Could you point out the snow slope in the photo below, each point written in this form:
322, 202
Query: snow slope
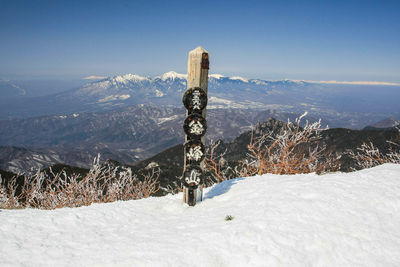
335, 219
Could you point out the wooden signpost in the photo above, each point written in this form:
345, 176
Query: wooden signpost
195, 125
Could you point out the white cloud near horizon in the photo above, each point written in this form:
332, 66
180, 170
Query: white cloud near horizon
94, 77
353, 82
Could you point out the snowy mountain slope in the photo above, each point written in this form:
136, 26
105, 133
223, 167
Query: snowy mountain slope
131, 88
348, 106
335, 219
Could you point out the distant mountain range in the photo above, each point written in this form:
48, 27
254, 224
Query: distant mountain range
351, 106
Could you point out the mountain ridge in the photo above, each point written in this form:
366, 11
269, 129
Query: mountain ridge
127, 134
355, 108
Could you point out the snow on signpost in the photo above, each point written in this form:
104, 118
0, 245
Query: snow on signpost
195, 125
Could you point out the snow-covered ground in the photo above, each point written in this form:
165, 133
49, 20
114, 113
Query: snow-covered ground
335, 219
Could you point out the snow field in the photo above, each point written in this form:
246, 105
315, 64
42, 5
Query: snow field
337, 219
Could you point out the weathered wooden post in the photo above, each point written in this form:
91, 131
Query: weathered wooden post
195, 125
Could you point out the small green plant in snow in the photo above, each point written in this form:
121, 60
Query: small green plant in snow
229, 218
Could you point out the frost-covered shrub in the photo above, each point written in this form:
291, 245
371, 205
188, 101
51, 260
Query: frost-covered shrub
368, 155
216, 165
56, 190
289, 149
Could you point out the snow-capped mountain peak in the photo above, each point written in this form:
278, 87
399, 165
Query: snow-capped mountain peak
239, 78
172, 75
216, 76
129, 78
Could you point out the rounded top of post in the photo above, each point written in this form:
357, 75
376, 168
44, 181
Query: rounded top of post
198, 50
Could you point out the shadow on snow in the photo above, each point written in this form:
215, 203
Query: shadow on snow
221, 188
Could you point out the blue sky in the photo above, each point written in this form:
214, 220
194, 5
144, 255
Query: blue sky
310, 40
